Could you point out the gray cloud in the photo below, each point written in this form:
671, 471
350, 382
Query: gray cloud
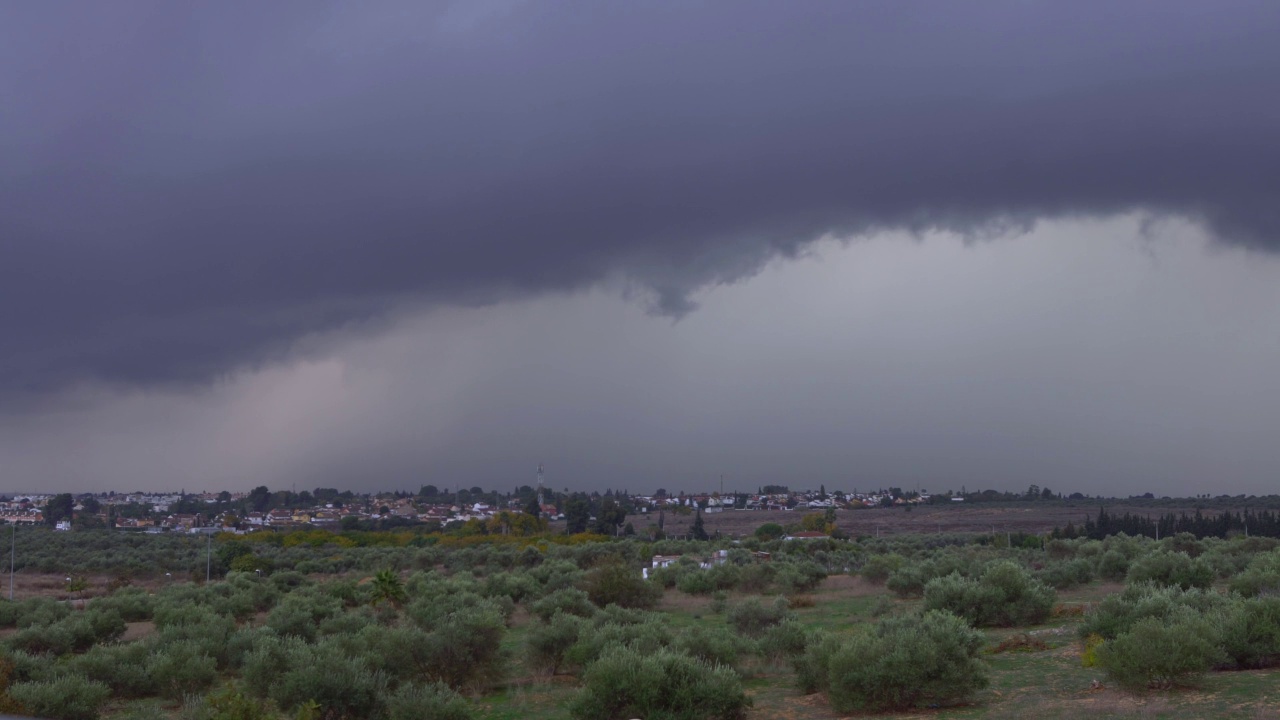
186, 191
1080, 356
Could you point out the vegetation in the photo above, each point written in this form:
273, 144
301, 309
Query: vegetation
906, 662
458, 626
626, 683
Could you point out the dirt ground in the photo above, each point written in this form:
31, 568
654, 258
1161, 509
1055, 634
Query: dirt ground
54, 585
923, 519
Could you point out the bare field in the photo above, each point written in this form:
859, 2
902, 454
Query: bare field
922, 519
29, 584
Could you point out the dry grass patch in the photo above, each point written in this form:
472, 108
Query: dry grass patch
849, 586
1022, 642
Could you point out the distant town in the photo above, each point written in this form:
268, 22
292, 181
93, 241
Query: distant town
328, 508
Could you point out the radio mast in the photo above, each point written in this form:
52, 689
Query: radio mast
541, 499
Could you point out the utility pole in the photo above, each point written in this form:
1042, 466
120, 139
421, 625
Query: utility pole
208, 563
13, 553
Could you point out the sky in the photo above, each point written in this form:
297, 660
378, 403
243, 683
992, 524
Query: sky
379, 245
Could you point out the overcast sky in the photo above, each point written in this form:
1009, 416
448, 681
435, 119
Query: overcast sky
379, 245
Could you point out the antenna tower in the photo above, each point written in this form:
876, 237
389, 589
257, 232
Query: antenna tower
541, 499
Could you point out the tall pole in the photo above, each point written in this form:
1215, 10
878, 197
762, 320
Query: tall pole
208, 563
13, 552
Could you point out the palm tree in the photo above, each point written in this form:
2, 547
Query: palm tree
388, 586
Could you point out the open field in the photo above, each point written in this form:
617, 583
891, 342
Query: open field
1031, 517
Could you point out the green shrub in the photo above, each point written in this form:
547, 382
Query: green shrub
133, 604
1066, 575
125, 668
799, 577
465, 650
1186, 543
753, 619
32, 611
1250, 632
547, 643
401, 653
908, 662
908, 580
1175, 569
570, 601
427, 702
1260, 577
782, 642
813, 664
1117, 613
595, 639
1160, 653
29, 668
625, 683
288, 580
348, 623
714, 646
210, 635
300, 613
695, 581
74, 633
183, 668
1004, 596
514, 585
69, 697
339, 685
878, 568
617, 583
1113, 565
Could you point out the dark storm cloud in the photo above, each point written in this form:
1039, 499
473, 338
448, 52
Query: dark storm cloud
185, 190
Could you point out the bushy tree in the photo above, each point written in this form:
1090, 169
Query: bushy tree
566, 600
909, 580
548, 642
465, 650
68, 697
340, 686
618, 583
1250, 632
878, 568
1005, 595
123, 667
770, 531
427, 702
908, 662
1171, 568
1160, 653
1113, 565
625, 683
1119, 612
182, 669
753, 618
714, 645
1261, 576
